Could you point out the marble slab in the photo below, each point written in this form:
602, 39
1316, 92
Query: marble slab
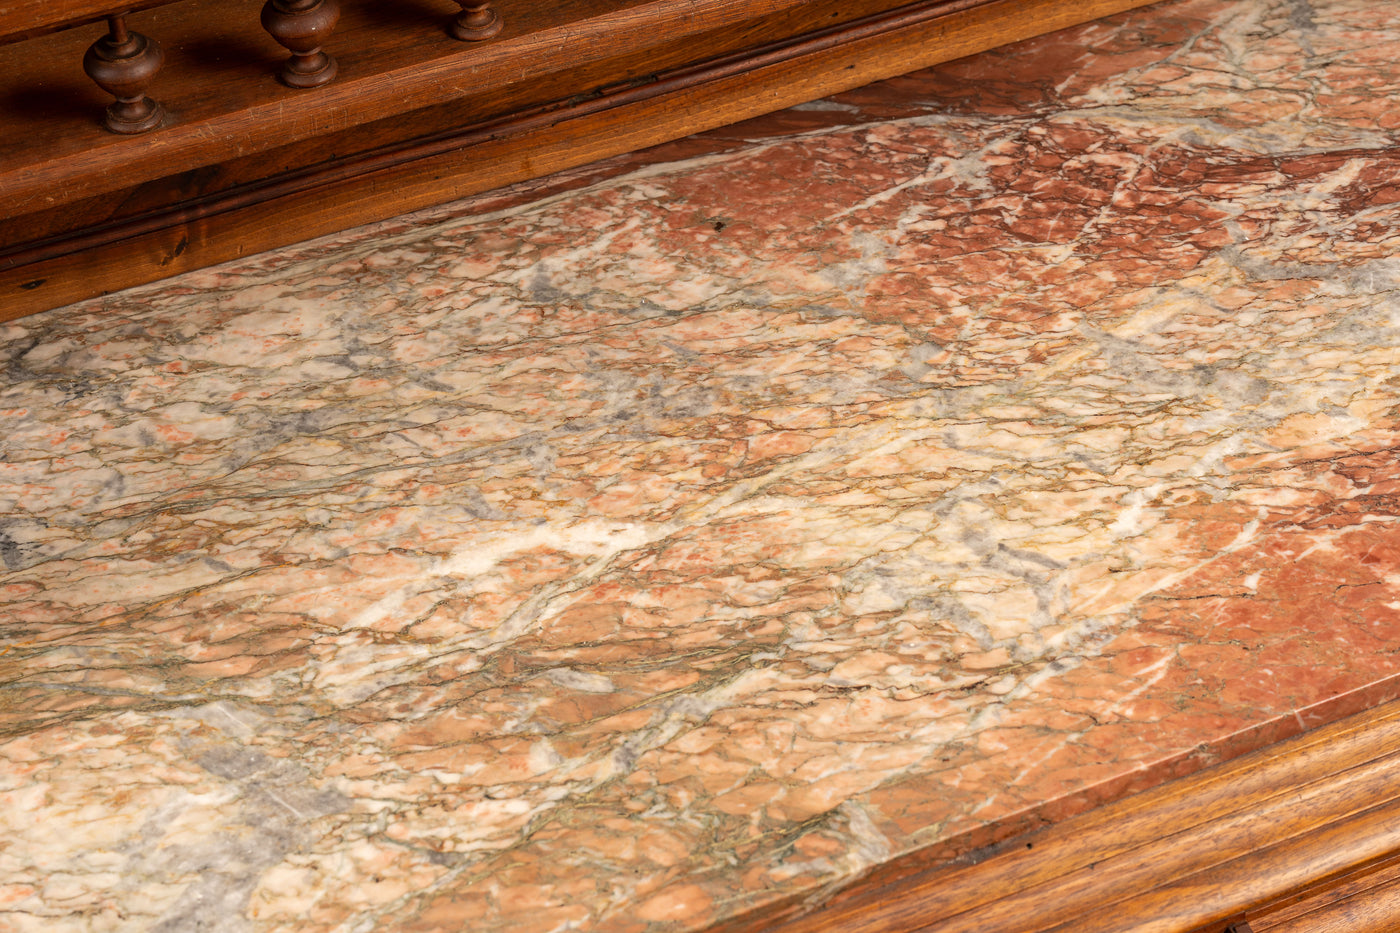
630, 550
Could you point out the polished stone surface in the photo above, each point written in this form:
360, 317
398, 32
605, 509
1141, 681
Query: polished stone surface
632, 549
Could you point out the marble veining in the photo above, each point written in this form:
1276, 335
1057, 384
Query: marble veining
630, 550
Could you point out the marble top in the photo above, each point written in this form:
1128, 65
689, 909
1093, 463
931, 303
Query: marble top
697, 530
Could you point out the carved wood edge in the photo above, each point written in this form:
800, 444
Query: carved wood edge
1234, 844
1362, 901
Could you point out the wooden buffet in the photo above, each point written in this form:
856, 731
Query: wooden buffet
261, 125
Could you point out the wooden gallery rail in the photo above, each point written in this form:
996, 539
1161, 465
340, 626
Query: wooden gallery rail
209, 142
124, 63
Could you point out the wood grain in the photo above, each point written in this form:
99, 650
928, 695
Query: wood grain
24, 19
1353, 887
1377, 911
1187, 857
455, 164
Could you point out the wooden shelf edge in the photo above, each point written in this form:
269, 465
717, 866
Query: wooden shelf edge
20, 21
191, 237
1243, 860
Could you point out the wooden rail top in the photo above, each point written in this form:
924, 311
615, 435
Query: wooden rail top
24, 19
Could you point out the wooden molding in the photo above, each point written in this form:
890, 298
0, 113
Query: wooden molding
1362, 901
1301, 832
79, 260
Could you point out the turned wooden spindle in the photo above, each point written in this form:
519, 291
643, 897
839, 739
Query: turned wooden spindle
478, 21
123, 63
302, 27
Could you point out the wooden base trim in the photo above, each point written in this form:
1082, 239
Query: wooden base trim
525, 146
1236, 842
1363, 901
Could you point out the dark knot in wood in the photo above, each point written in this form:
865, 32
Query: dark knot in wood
123, 64
302, 27
478, 20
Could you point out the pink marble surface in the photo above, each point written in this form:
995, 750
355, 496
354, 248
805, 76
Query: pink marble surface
632, 550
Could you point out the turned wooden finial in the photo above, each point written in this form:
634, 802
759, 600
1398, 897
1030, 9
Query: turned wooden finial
478, 21
123, 63
302, 27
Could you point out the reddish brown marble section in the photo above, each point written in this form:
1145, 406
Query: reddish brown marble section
710, 526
